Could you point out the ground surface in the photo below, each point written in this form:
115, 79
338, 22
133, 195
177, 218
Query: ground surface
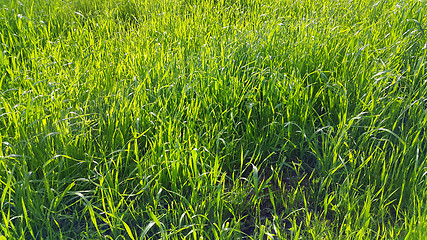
213, 119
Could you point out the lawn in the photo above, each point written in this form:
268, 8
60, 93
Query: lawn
213, 119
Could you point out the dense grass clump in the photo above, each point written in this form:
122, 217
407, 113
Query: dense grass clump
213, 119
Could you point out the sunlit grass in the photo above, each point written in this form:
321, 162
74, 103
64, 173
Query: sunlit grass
219, 119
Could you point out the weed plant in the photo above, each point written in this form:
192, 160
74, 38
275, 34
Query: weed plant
213, 119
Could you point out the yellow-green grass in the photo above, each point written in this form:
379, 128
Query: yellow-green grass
213, 119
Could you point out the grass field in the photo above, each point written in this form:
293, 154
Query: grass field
213, 119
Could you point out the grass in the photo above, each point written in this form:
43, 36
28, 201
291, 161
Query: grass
213, 119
